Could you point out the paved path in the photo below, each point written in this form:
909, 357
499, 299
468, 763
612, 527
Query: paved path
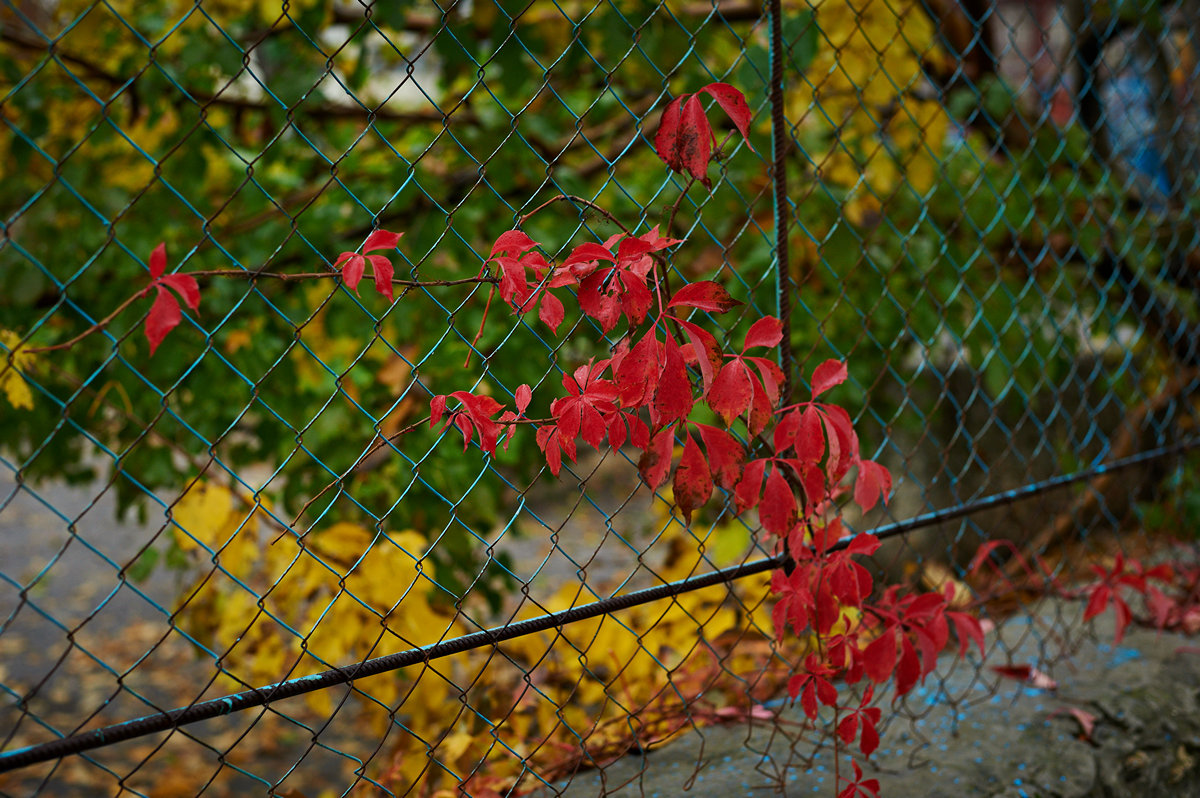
1003, 738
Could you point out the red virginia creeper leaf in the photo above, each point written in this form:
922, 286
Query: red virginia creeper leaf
732, 391
381, 239
524, 395
706, 295
158, 261
746, 493
164, 317
778, 508
656, 460
969, 631
437, 408
1098, 601
551, 311
767, 331
514, 242
873, 480
827, 375
725, 455
879, 658
733, 102
673, 398
637, 372
908, 670
693, 483
383, 272
352, 270
684, 138
186, 286
704, 347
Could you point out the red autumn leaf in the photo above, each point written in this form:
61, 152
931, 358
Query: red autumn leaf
523, 396
637, 371
165, 314
381, 239
475, 414
354, 264
732, 390
553, 445
870, 732
873, 481
860, 786
656, 460
589, 399
777, 511
684, 139
841, 440
164, 317
673, 396
584, 258
767, 331
809, 442
1026, 673
158, 261
186, 286
969, 630
908, 669
746, 493
1123, 617
382, 268
725, 455
848, 728
1098, 601
551, 311
514, 242
693, 482
864, 543
706, 295
437, 408
705, 350
827, 375
733, 103
879, 658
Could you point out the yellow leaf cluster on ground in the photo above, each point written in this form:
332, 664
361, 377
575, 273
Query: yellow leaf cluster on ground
863, 88
297, 607
542, 703
12, 362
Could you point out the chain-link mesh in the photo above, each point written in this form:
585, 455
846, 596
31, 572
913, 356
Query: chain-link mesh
990, 217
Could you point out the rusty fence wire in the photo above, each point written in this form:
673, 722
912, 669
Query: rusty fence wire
241, 563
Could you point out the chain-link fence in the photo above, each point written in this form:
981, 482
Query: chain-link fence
236, 556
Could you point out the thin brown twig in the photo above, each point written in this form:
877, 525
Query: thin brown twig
100, 325
479, 333
580, 201
241, 273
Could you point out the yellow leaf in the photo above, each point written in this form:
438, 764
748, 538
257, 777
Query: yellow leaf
12, 363
202, 514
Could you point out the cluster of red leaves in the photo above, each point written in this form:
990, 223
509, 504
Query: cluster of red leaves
685, 138
354, 264
165, 314
664, 365
1176, 608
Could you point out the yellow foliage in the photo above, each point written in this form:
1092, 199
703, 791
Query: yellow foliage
12, 363
862, 90
347, 592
